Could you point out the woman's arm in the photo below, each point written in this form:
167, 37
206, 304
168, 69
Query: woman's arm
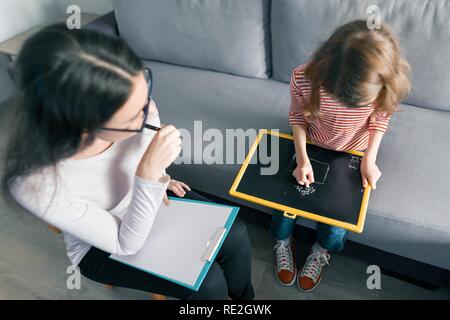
94, 225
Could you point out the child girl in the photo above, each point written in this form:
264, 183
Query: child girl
341, 100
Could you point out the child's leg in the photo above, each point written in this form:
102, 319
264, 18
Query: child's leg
281, 229
328, 238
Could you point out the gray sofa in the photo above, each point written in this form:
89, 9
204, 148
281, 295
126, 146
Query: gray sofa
228, 64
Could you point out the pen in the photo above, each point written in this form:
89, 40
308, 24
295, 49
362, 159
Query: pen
149, 126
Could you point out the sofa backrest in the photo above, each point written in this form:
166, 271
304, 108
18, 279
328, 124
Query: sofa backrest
231, 36
423, 27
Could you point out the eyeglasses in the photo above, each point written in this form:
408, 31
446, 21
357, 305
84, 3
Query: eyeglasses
149, 78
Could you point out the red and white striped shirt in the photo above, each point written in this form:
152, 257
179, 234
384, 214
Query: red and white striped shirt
342, 128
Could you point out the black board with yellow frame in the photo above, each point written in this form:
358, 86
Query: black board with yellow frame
336, 198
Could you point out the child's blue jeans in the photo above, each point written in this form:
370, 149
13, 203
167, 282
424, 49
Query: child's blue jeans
329, 237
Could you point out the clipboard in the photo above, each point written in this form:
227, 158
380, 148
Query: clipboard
278, 193
184, 240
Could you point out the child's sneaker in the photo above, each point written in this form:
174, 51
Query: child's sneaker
285, 269
311, 273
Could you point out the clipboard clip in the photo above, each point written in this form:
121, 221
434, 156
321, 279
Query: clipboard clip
213, 244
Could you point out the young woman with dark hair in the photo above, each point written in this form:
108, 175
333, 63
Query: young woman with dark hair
79, 159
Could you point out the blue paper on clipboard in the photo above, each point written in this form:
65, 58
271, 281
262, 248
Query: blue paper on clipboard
184, 241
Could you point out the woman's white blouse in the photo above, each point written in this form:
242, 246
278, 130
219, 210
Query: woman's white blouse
97, 201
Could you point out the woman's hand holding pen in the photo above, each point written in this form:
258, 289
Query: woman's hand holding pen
162, 151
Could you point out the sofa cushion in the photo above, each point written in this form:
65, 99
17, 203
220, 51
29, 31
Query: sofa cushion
409, 213
231, 36
423, 27
413, 157
413, 192
105, 24
220, 101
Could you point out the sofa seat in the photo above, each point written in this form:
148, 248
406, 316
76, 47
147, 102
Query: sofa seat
408, 214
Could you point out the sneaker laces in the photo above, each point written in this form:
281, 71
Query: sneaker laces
314, 264
284, 256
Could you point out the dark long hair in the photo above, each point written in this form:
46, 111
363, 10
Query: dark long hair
68, 82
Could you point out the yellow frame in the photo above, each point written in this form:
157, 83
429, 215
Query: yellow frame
290, 212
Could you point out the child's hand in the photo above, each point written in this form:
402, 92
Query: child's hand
369, 173
304, 174
177, 188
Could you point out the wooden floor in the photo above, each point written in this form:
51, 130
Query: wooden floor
33, 265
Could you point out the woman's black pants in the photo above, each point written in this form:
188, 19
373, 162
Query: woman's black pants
229, 275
